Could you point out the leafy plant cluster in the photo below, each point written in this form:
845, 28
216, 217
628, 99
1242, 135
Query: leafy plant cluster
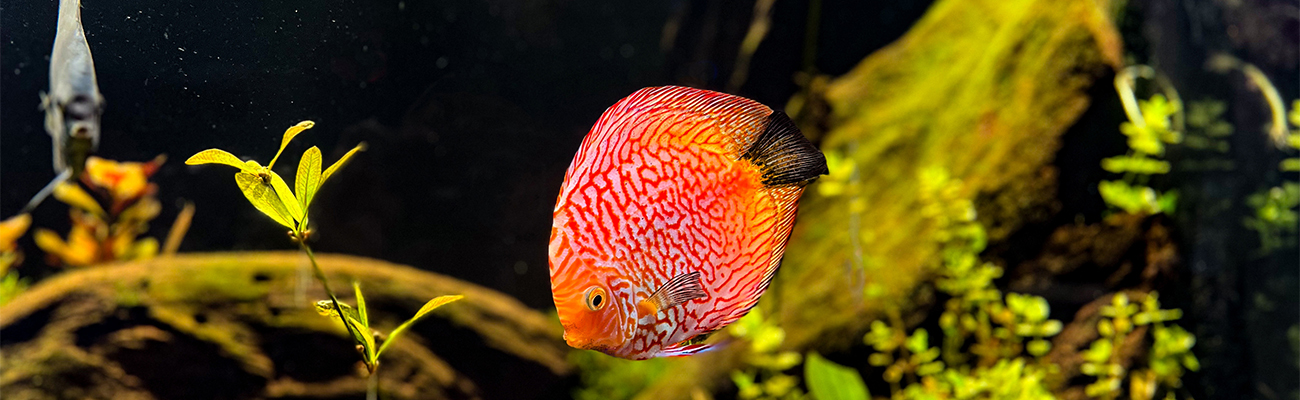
611, 378
101, 234
767, 376
1169, 356
994, 345
1150, 127
10, 255
270, 194
1276, 216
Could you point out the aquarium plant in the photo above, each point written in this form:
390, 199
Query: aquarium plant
1275, 209
765, 376
1151, 124
10, 255
270, 194
100, 234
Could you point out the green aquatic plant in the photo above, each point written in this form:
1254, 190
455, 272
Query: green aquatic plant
766, 375
1168, 358
613, 378
1276, 215
10, 255
992, 344
1152, 124
828, 380
364, 334
269, 193
1208, 132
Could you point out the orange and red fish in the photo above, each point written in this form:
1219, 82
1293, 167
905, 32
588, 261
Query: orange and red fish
672, 219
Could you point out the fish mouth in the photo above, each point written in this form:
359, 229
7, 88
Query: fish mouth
586, 344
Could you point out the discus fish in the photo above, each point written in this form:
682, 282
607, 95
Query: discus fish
672, 219
73, 106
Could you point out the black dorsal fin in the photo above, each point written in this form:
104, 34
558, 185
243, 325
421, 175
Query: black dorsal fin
784, 155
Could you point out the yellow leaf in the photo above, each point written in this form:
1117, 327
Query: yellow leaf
286, 196
361, 304
13, 228
288, 135
263, 196
339, 164
49, 241
218, 156
308, 179
428, 307
73, 195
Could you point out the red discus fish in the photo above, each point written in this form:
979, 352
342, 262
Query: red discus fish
672, 219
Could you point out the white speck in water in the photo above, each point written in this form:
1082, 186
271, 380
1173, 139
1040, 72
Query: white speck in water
401, 5
165, 36
18, 71
180, 48
363, 84
441, 63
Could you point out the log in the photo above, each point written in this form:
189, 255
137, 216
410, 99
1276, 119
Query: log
228, 325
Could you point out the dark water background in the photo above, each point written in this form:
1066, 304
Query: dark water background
473, 109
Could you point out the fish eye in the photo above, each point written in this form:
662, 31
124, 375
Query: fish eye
595, 298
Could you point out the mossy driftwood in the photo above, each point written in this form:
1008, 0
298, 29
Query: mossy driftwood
228, 325
979, 90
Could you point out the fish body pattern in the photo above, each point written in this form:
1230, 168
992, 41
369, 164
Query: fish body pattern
672, 219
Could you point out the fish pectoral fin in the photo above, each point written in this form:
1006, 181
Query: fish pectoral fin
682, 288
682, 349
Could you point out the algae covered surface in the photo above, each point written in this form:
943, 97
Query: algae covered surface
977, 91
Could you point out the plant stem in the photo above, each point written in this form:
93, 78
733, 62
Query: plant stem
333, 299
372, 386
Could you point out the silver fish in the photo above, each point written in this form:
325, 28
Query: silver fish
73, 106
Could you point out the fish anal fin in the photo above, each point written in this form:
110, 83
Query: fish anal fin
682, 288
683, 349
784, 156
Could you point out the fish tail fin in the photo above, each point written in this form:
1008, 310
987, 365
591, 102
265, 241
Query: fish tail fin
783, 155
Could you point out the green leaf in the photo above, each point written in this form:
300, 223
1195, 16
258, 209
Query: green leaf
73, 195
218, 156
1137, 165
263, 196
339, 164
830, 381
361, 305
286, 196
1290, 165
428, 307
308, 179
360, 333
919, 341
288, 135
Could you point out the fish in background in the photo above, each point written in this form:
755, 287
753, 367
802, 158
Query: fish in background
73, 106
672, 219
